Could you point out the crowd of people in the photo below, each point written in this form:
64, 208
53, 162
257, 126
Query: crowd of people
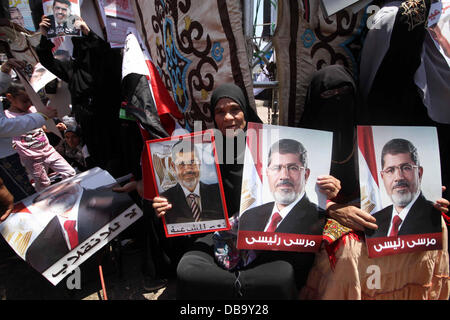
401, 82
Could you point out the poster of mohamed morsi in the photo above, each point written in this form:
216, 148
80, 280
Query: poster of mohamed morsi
59, 228
400, 180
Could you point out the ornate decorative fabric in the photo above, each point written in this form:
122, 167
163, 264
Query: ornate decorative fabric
195, 47
335, 235
409, 276
415, 12
305, 41
333, 230
227, 255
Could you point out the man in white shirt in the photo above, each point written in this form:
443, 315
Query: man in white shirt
291, 212
410, 212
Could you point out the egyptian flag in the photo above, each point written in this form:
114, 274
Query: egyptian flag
147, 100
252, 187
370, 190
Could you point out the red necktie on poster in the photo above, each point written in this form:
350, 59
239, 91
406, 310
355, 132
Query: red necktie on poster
395, 224
69, 225
276, 218
194, 207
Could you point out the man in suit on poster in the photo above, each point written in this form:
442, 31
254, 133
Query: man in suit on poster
410, 212
291, 212
78, 214
62, 21
191, 199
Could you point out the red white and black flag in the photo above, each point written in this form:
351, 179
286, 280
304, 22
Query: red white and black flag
370, 189
146, 99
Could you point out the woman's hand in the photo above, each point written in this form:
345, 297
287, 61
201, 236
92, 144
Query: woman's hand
6, 202
161, 205
442, 204
351, 216
80, 24
131, 186
61, 126
44, 25
329, 185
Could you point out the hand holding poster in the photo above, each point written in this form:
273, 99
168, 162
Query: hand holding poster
186, 173
63, 16
287, 210
408, 168
439, 27
62, 226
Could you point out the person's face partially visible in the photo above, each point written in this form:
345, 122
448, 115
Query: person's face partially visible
61, 11
229, 116
401, 178
187, 167
20, 101
60, 199
17, 17
287, 177
72, 139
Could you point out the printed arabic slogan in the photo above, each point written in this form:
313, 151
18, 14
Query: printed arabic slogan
186, 173
404, 166
281, 208
59, 228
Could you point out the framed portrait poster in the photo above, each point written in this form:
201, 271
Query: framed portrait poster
186, 172
400, 179
281, 206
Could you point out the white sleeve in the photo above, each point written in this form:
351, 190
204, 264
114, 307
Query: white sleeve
85, 152
17, 126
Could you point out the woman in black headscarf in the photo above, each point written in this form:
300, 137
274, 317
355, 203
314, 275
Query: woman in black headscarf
214, 268
231, 111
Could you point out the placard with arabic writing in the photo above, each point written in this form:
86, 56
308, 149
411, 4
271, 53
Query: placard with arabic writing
281, 168
59, 228
400, 180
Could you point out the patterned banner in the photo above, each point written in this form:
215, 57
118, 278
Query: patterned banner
195, 48
305, 41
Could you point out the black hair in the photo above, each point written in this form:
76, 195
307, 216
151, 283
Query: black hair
396, 146
62, 1
285, 146
184, 145
14, 88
